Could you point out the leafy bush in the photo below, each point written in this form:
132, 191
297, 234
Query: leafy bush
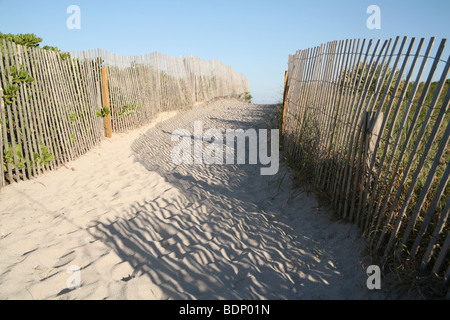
27, 39
248, 97
103, 112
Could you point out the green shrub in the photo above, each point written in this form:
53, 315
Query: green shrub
248, 97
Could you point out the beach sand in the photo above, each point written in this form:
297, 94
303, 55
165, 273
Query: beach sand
137, 226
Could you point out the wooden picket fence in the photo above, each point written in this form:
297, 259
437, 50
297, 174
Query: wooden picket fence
369, 119
55, 107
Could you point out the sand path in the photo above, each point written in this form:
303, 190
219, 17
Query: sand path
140, 227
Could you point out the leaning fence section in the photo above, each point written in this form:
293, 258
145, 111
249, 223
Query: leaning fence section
55, 106
142, 86
369, 119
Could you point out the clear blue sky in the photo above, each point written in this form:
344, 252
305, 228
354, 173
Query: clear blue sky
254, 37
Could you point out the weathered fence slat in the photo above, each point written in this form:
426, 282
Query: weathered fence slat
2, 137
440, 260
39, 88
29, 115
27, 152
4, 117
14, 134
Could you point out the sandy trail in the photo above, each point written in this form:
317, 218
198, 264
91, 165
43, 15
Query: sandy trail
140, 227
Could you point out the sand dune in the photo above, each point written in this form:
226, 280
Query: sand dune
140, 227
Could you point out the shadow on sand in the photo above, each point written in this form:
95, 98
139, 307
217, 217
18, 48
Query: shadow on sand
217, 234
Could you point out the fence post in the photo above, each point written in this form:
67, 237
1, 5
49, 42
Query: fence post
105, 95
2, 110
374, 132
286, 89
370, 133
